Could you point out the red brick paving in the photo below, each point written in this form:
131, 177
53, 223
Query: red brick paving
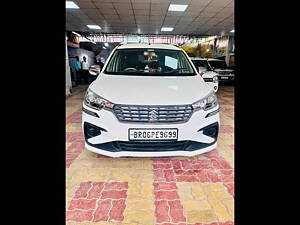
83, 204
102, 211
162, 211
226, 223
226, 129
176, 211
75, 117
95, 191
168, 171
83, 189
117, 207
79, 215
77, 146
166, 194
227, 112
73, 151
98, 201
74, 137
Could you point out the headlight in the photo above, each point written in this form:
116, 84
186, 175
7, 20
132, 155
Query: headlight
95, 101
215, 79
207, 103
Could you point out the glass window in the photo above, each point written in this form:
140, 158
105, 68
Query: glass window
144, 61
218, 64
201, 63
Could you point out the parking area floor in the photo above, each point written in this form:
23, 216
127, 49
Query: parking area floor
176, 190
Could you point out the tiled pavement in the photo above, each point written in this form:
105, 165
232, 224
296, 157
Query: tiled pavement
177, 190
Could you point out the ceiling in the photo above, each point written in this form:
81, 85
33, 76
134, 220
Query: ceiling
202, 17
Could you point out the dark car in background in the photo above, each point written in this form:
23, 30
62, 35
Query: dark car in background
225, 74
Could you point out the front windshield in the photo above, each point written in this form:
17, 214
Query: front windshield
218, 64
147, 61
201, 63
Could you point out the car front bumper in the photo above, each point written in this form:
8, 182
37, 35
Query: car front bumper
111, 136
225, 78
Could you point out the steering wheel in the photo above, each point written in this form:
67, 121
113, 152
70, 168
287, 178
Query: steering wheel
130, 69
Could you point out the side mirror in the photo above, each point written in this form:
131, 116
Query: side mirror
95, 70
202, 69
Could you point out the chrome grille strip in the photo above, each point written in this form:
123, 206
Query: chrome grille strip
153, 114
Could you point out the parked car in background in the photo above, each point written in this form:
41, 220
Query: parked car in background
149, 101
225, 74
204, 69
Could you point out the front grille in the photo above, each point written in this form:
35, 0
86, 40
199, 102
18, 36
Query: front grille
224, 72
150, 146
153, 114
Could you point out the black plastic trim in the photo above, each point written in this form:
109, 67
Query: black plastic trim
213, 125
208, 79
90, 112
116, 146
212, 113
86, 126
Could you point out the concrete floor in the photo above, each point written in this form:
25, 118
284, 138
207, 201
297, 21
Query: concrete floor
178, 190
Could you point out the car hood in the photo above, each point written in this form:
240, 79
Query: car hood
151, 90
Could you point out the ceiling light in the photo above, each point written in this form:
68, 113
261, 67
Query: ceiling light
167, 28
175, 7
232, 31
94, 27
71, 5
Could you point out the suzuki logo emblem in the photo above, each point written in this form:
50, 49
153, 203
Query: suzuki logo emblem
153, 114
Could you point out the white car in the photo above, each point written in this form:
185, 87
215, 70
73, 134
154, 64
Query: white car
150, 101
208, 75
224, 74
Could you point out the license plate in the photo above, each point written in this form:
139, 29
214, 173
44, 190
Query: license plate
224, 78
168, 134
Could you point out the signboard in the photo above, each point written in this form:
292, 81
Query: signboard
136, 39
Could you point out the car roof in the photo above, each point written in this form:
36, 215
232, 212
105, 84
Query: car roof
151, 46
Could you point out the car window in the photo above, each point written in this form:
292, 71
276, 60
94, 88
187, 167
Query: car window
201, 63
147, 61
218, 64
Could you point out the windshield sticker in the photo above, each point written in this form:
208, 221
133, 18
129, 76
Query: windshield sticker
171, 62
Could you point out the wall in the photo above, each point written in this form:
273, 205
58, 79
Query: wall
72, 52
68, 74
